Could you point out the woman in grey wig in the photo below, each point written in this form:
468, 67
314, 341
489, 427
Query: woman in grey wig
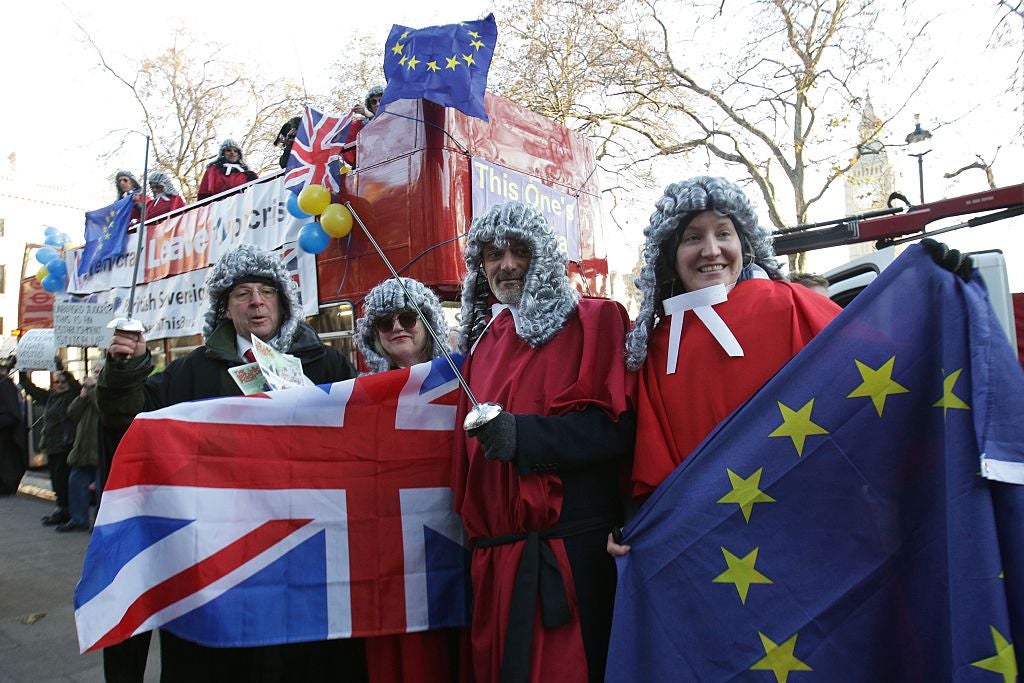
705, 251
390, 335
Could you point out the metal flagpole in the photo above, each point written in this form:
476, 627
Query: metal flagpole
127, 323
481, 413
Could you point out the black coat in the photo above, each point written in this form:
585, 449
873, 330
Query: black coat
125, 390
13, 455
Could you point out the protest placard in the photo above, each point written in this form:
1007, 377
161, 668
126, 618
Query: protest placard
36, 349
82, 324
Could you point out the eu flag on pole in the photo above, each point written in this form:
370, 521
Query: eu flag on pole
844, 524
444, 64
105, 232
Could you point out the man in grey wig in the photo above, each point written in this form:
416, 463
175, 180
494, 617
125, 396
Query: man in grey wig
249, 291
538, 486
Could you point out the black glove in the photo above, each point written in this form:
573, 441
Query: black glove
498, 437
950, 259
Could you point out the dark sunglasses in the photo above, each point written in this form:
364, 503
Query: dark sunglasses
407, 320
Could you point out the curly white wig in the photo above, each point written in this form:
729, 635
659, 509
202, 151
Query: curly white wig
680, 203
387, 298
163, 180
548, 297
249, 260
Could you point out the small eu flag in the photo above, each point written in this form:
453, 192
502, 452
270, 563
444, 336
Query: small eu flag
105, 232
444, 64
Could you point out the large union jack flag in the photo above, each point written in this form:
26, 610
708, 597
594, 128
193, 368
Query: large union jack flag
291, 516
316, 152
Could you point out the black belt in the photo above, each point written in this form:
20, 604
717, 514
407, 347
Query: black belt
537, 574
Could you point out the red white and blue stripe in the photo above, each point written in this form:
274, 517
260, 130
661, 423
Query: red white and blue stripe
297, 515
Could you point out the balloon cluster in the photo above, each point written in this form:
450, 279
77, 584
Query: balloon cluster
335, 219
54, 274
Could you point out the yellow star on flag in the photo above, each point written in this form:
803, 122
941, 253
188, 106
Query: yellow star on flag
949, 400
403, 60
432, 66
779, 659
405, 34
797, 425
476, 44
468, 59
745, 492
877, 384
1004, 661
741, 573
473, 33
413, 62
398, 47
453, 62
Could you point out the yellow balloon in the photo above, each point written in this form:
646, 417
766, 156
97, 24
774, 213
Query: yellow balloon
314, 199
41, 273
336, 220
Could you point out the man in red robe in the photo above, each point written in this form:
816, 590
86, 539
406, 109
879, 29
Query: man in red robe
539, 485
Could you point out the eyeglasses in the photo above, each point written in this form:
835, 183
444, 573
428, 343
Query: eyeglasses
406, 319
245, 294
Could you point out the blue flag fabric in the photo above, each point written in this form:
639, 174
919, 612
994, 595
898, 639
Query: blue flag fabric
837, 527
444, 64
105, 232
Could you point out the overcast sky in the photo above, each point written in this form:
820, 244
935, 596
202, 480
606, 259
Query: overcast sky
58, 105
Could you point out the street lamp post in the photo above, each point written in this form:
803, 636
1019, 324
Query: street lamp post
917, 139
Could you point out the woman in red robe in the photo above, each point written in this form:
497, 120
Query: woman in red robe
165, 196
716, 321
227, 171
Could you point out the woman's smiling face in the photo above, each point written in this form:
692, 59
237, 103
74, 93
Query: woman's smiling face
709, 252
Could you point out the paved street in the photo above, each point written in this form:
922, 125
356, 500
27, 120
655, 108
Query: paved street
38, 572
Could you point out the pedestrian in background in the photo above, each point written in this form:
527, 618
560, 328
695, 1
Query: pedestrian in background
13, 456
83, 460
58, 434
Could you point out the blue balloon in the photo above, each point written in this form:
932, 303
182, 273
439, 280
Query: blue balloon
51, 231
313, 239
54, 240
293, 206
54, 284
57, 267
46, 254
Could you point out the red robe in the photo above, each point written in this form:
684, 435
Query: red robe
771, 320
353, 131
215, 180
163, 204
580, 367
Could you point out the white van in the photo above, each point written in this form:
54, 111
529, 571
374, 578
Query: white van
846, 281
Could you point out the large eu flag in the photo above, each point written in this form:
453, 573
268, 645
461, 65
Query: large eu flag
838, 526
444, 64
105, 232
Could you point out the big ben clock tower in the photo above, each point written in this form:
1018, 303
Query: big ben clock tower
872, 178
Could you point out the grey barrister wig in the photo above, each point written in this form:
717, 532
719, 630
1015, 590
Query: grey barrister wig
384, 300
548, 297
245, 261
163, 180
673, 212
124, 173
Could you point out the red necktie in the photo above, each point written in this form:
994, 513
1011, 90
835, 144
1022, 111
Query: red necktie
249, 356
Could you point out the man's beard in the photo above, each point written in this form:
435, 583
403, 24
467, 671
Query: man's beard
510, 295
